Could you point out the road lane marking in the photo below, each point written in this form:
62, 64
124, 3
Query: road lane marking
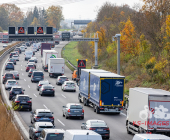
21, 69
123, 114
61, 122
22, 74
63, 96
28, 86
45, 106
24, 79
35, 95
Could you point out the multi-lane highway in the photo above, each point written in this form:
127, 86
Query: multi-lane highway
1, 44
116, 123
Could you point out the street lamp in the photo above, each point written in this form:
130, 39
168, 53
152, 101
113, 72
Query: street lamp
117, 36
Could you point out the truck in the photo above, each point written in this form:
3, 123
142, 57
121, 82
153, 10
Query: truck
46, 55
52, 43
45, 46
102, 90
148, 111
56, 67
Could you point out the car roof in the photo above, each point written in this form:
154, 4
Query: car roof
152, 136
16, 87
43, 110
47, 85
69, 82
11, 80
62, 76
43, 123
10, 62
73, 104
96, 120
54, 130
44, 81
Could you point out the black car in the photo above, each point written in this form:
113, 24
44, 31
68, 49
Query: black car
20, 102
11, 54
15, 91
27, 44
12, 60
44, 82
7, 76
30, 72
47, 90
42, 115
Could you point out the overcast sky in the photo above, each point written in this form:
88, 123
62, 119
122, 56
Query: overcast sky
72, 9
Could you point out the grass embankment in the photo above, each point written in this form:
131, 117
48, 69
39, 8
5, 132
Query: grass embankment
64, 29
71, 53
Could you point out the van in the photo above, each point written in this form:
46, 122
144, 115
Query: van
74, 75
28, 55
150, 137
81, 135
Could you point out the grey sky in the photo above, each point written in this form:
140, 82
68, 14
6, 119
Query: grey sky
72, 9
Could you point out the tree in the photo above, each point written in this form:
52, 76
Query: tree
54, 16
3, 18
35, 12
35, 22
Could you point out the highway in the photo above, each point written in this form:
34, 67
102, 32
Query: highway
116, 123
1, 45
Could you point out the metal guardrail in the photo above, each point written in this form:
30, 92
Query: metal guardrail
71, 65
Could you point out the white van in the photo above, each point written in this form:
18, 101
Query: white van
81, 135
34, 47
28, 55
150, 137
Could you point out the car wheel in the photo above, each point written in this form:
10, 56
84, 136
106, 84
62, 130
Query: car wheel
30, 137
37, 89
97, 110
30, 109
74, 90
3, 82
107, 138
63, 115
18, 78
82, 118
53, 95
31, 81
13, 69
31, 121
94, 108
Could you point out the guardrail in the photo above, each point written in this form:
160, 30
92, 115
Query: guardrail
71, 65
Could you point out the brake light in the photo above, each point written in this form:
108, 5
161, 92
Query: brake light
22, 92
43, 89
32, 76
13, 77
68, 110
30, 72
10, 54
43, 76
82, 110
36, 131
100, 102
10, 92
66, 79
92, 129
40, 85
4, 77
51, 118
28, 101
38, 117
52, 89
107, 129
17, 101
62, 74
59, 79
17, 74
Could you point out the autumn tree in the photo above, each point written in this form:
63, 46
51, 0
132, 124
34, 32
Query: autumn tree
35, 22
3, 18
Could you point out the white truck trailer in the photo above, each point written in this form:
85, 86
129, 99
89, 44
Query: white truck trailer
56, 67
148, 111
46, 55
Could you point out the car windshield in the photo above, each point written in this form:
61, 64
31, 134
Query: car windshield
47, 87
30, 66
38, 74
75, 107
44, 82
16, 89
54, 136
23, 98
44, 114
11, 82
13, 53
9, 75
98, 124
42, 127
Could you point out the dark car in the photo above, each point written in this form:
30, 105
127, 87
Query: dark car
27, 44
18, 49
11, 54
16, 74
9, 65
61, 80
37, 76
12, 60
30, 72
98, 126
15, 91
29, 66
22, 102
47, 90
7, 76
42, 115
46, 82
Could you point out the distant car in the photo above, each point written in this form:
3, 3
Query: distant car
99, 126
61, 80
29, 66
16, 74
35, 59
47, 90
12, 60
51, 134
30, 60
32, 63
42, 115
11, 54
39, 85
37, 76
5, 42
27, 44
22, 48
73, 110
16, 57
37, 127
7, 76
18, 49
30, 72
68, 86
22, 102
9, 65
10, 83
17, 53
5, 45
15, 91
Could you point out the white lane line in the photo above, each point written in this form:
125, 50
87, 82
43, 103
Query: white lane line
22, 74
45, 106
63, 96
21, 69
28, 86
123, 114
35, 95
61, 122
24, 79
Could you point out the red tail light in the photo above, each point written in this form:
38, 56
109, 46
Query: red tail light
22, 92
82, 110
66, 79
17, 101
40, 85
92, 129
10, 54
9, 60
43, 76
107, 129
17, 74
3, 77
59, 79
37, 131
37, 117
68, 110
52, 89
43, 89
10, 92
32, 76
51, 118
13, 77
28, 101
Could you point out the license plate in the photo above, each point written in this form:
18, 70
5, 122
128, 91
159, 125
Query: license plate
23, 102
44, 118
76, 111
47, 90
17, 92
99, 129
111, 110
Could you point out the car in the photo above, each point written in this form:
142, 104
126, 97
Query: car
5, 45
15, 90
29, 66
33, 63
10, 83
47, 90
30, 72
16, 74
11, 54
12, 60
31, 60
35, 59
17, 53
51, 134
20, 102
150, 137
37, 76
7, 76
9, 65
5, 42
16, 57
27, 44
73, 110
74, 75
18, 49
61, 80
68, 86
42, 115
22, 48
99, 126
44, 82
37, 127
28, 55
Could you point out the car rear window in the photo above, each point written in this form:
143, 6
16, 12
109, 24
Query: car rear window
31, 60
38, 74
12, 59
17, 89
11, 82
43, 127
30, 65
9, 75
63, 78
13, 53
54, 136
44, 114
75, 107
9, 64
23, 98
44, 82
98, 124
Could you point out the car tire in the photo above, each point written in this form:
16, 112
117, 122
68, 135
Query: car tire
94, 108
30, 109
31, 121
84, 102
97, 111
53, 95
74, 90
37, 89
3, 82
82, 118
30, 137
108, 137
63, 115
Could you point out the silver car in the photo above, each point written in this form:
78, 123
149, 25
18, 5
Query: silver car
61, 80
16, 74
16, 57
10, 83
68, 86
73, 110
35, 59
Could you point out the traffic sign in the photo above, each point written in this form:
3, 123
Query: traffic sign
81, 63
65, 36
30, 30
49, 30
40, 30
11, 30
21, 30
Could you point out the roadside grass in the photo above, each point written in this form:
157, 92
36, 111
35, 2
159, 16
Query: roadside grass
64, 29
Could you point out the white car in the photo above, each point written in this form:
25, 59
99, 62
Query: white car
68, 86
17, 53
22, 48
5, 45
25, 46
16, 57
34, 59
10, 83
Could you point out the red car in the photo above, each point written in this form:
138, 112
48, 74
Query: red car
5, 42
29, 66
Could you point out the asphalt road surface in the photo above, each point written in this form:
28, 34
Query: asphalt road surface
115, 122
1, 45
